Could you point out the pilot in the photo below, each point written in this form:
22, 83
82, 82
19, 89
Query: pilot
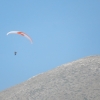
15, 53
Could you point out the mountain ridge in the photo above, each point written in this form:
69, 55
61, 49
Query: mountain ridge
77, 80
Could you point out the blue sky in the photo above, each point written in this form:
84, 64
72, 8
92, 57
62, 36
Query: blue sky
62, 31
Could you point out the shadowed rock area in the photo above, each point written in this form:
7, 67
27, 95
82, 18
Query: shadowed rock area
78, 80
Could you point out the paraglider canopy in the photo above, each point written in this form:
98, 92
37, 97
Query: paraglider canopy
22, 34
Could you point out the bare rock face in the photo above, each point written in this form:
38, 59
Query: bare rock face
78, 80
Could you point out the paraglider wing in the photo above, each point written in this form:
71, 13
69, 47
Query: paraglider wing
20, 33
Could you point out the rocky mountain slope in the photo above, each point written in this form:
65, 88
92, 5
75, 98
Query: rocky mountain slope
78, 80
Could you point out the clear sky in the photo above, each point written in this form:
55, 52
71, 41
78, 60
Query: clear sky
62, 31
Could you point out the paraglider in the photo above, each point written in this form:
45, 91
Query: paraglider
20, 33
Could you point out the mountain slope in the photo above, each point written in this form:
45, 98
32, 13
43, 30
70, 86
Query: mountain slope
78, 80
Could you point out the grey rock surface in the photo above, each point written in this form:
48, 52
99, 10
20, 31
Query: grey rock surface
78, 80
